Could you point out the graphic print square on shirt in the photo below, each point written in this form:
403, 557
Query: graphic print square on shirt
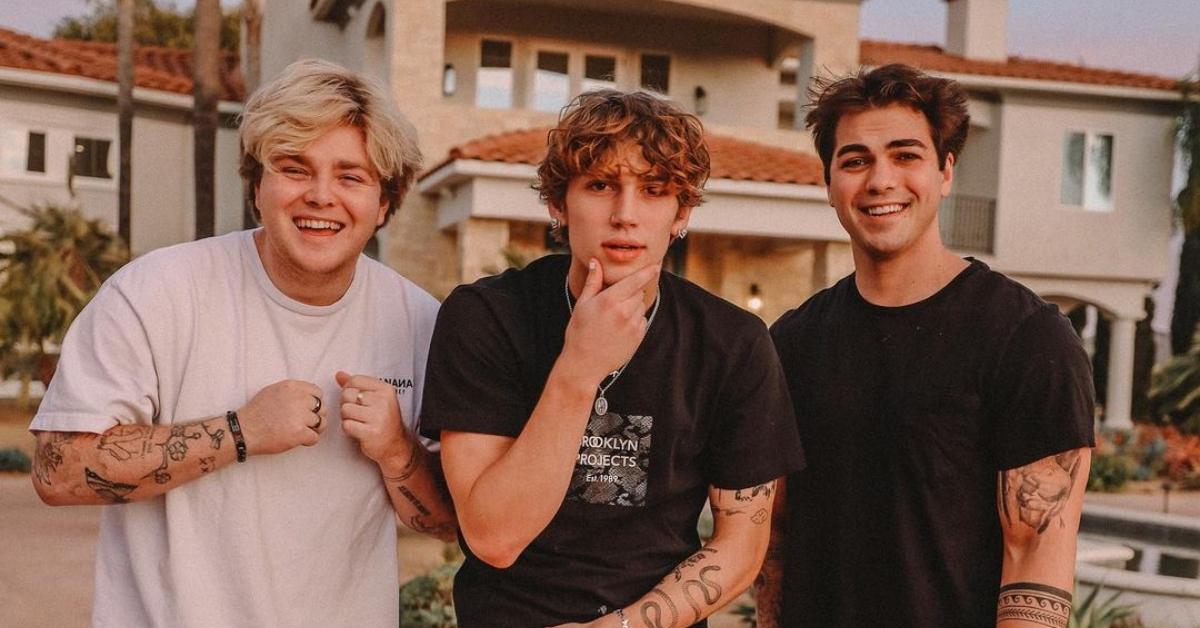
614, 461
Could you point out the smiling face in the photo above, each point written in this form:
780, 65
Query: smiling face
622, 214
319, 209
886, 185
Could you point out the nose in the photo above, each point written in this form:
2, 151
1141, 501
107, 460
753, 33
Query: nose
319, 192
881, 178
624, 213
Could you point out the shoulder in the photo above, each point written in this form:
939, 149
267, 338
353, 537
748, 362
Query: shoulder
180, 267
1005, 307
511, 288
715, 314
385, 280
819, 308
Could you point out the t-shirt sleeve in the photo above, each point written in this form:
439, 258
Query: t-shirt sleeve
1042, 401
472, 382
105, 373
756, 438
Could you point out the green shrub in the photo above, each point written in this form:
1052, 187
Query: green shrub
428, 599
1110, 472
13, 459
1092, 613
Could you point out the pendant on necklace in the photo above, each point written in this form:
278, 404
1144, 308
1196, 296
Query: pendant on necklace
601, 406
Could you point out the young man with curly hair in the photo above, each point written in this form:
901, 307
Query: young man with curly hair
589, 404
946, 410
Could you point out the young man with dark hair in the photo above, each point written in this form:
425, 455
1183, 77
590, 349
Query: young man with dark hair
946, 410
589, 404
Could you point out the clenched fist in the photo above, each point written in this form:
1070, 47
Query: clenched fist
371, 416
281, 416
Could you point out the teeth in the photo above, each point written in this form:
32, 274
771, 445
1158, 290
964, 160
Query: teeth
308, 223
883, 210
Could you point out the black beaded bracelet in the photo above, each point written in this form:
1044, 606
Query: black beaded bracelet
235, 428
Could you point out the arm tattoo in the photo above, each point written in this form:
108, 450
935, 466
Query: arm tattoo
747, 494
1041, 489
692, 560
1036, 603
215, 437
414, 460
123, 442
48, 457
418, 523
174, 448
710, 590
113, 492
412, 499
652, 611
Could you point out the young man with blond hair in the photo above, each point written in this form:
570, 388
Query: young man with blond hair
588, 405
206, 394
946, 409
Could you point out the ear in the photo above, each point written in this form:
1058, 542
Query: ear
948, 175
383, 209
681, 219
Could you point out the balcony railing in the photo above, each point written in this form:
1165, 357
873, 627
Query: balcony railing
968, 223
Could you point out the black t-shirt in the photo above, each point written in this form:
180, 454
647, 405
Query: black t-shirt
702, 402
907, 415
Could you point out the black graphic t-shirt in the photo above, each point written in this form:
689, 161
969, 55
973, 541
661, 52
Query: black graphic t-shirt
907, 415
702, 402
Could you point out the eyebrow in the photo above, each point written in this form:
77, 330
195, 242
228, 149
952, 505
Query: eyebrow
861, 148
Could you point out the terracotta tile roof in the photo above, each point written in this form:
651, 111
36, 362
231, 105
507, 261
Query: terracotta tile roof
166, 69
933, 58
731, 158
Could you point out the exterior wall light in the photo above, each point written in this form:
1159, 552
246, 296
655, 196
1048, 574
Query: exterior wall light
701, 101
755, 302
449, 80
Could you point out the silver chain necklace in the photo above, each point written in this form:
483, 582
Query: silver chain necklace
601, 405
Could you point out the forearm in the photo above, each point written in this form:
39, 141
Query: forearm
768, 586
128, 462
418, 492
517, 495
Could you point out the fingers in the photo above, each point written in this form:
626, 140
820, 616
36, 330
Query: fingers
593, 282
636, 284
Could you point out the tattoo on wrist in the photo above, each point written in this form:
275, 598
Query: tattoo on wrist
1040, 490
414, 460
1032, 602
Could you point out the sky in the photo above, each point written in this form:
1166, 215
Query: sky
1159, 37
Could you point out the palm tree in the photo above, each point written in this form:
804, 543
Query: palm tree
206, 76
252, 17
125, 116
48, 272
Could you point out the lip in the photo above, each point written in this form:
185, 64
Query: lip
309, 225
622, 250
884, 210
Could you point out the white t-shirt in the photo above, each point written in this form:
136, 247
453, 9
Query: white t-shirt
302, 538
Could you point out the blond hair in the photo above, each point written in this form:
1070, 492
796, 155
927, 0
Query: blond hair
312, 97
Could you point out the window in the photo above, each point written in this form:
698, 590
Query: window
551, 83
22, 151
91, 158
1087, 170
599, 72
494, 84
656, 73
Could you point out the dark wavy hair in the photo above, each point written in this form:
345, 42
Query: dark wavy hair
591, 127
942, 101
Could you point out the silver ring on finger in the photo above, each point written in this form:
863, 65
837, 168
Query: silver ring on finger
358, 399
316, 426
317, 409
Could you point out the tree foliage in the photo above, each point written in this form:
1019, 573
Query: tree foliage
156, 23
1186, 315
1176, 389
48, 272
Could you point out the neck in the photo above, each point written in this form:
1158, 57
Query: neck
298, 284
904, 279
577, 276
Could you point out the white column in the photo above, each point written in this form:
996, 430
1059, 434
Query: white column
1120, 375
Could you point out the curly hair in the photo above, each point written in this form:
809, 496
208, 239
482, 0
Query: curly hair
942, 101
595, 123
312, 97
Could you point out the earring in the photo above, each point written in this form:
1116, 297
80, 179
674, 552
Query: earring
554, 224
682, 233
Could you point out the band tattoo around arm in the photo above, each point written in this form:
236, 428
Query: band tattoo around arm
1032, 602
414, 461
1041, 489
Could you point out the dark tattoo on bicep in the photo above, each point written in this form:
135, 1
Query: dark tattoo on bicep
652, 611
759, 516
1040, 489
747, 494
49, 455
113, 492
1032, 602
710, 591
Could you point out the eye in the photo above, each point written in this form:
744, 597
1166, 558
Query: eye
353, 178
853, 162
292, 170
597, 185
907, 156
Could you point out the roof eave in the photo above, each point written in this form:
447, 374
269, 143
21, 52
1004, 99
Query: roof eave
96, 87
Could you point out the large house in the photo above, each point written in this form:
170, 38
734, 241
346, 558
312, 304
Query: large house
1064, 183
58, 136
